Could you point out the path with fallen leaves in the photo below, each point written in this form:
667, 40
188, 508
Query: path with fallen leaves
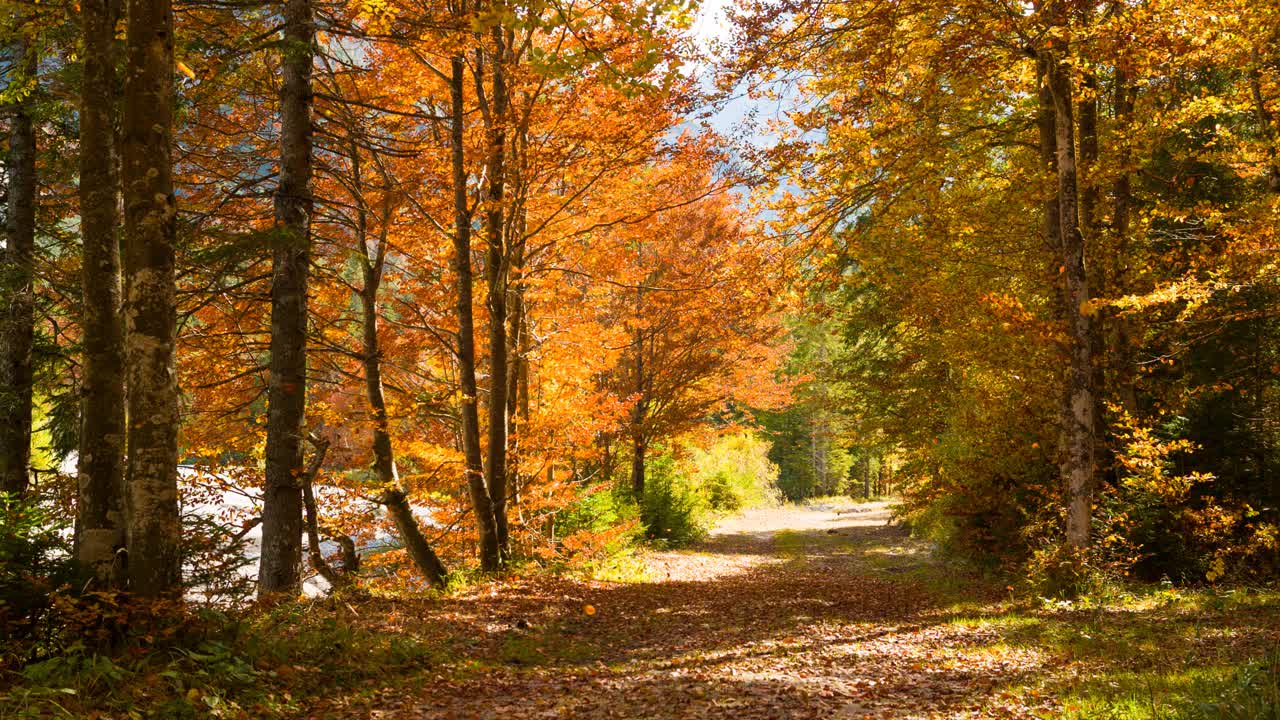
795, 612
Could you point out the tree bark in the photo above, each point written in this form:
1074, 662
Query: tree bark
17, 315
481, 502
496, 293
154, 529
1046, 121
278, 570
1079, 407
517, 371
101, 457
639, 444
519, 341
1266, 122
1093, 248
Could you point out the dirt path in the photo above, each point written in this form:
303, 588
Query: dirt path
796, 612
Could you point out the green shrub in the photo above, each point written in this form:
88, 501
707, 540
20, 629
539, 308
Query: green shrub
672, 509
597, 509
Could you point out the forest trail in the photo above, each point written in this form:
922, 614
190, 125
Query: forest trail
819, 611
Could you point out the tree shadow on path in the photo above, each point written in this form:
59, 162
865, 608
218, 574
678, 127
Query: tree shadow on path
771, 622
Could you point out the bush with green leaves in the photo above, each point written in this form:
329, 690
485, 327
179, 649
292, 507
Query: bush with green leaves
672, 509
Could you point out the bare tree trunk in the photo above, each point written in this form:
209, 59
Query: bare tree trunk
1079, 435
496, 274
1093, 248
278, 570
517, 374
1266, 121
481, 503
866, 477
518, 345
1046, 121
102, 434
154, 529
639, 444
17, 313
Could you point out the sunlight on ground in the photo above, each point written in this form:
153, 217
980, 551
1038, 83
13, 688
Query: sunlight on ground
811, 612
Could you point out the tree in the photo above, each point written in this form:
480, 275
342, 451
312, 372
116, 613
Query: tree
482, 502
102, 435
17, 319
154, 530
699, 310
290, 264
1078, 414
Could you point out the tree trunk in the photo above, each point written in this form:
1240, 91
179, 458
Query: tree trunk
1079, 435
496, 275
638, 449
154, 529
1266, 122
639, 445
518, 345
415, 542
1093, 248
481, 503
1046, 121
17, 316
384, 464
278, 570
102, 452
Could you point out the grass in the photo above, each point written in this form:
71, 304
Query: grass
1129, 652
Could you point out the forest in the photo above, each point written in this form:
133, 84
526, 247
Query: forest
640, 359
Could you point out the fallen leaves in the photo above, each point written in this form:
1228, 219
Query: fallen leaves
772, 618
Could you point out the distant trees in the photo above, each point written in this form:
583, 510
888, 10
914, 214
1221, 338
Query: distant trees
1038, 227
697, 312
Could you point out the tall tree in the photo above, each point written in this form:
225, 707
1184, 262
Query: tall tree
481, 500
282, 523
1078, 393
494, 113
17, 318
373, 266
154, 529
102, 434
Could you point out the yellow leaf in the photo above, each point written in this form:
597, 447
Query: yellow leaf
182, 68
